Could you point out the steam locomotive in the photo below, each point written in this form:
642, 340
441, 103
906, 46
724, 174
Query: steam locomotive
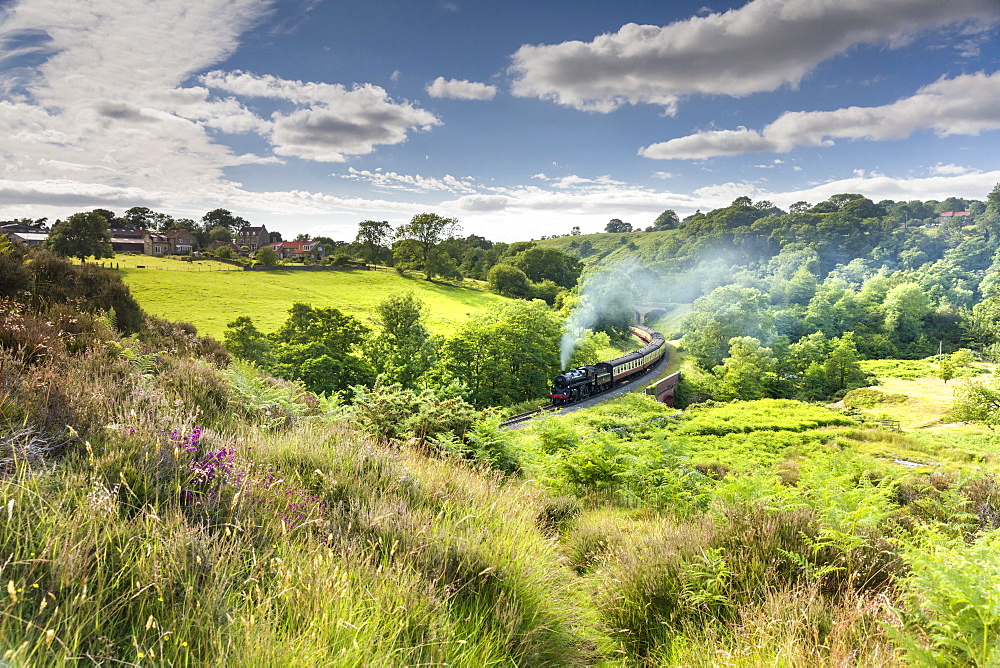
585, 381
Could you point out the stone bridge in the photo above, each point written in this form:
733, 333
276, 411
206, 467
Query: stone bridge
644, 309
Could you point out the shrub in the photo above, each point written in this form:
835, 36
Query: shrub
947, 604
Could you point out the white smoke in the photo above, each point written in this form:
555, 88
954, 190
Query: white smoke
607, 297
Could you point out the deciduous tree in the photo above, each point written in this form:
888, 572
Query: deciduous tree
82, 235
373, 237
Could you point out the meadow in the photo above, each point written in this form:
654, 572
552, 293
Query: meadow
211, 294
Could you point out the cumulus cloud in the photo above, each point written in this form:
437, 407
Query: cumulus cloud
965, 105
460, 89
758, 47
98, 95
335, 121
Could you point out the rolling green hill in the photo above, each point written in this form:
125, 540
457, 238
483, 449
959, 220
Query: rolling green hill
211, 294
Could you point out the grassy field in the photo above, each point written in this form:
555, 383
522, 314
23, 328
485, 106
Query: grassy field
211, 294
914, 395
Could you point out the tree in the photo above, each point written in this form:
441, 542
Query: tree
553, 264
81, 235
507, 280
403, 349
220, 233
575, 231
667, 220
842, 369
904, 307
267, 256
373, 236
139, 217
728, 311
428, 230
617, 226
506, 356
108, 215
224, 252
222, 217
946, 371
977, 402
748, 373
244, 340
318, 347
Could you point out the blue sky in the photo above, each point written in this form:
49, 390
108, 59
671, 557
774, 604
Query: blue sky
519, 119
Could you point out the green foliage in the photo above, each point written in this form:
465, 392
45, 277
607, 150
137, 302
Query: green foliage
373, 237
541, 264
315, 346
977, 402
728, 312
82, 235
266, 255
947, 603
507, 280
504, 357
391, 413
403, 350
427, 230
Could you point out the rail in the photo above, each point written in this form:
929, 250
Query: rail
524, 417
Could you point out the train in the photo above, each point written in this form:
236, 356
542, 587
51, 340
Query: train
586, 381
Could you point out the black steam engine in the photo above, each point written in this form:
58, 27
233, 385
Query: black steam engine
585, 381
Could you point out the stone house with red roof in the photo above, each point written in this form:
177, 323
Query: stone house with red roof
174, 242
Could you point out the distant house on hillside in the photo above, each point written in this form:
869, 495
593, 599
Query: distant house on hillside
181, 241
294, 249
253, 237
961, 217
174, 242
155, 244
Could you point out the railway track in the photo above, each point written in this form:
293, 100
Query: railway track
524, 417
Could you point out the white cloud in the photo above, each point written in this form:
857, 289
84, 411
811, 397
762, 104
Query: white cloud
966, 105
460, 89
101, 99
759, 47
335, 122
412, 183
663, 175
950, 170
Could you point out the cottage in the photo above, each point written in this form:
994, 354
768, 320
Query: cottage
293, 249
155, 244
253, 237
182, 242
960, 217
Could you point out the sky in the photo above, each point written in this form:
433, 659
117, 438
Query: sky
519, 119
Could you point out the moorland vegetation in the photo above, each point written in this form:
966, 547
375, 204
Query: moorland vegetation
340, 492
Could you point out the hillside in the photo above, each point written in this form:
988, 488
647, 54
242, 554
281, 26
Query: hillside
210, 295
166, 504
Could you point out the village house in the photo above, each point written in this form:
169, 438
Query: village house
174, 242
253, 237
295, 249
960, 217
